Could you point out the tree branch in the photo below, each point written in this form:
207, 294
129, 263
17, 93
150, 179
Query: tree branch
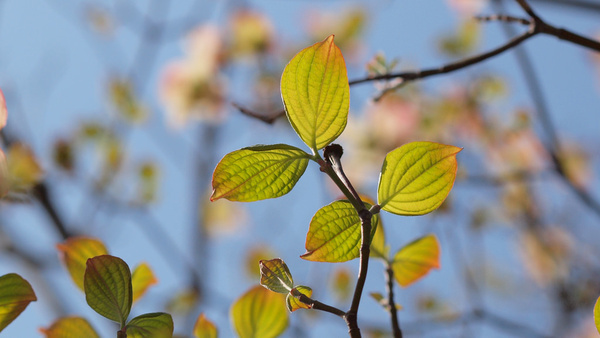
389, 279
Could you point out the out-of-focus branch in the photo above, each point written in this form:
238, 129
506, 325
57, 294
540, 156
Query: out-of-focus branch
576, 4
269, 119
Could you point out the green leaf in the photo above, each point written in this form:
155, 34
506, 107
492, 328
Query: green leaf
275, 276
141, 279
70, 327
316, 94
416, 259
204, 328
292, 299
259, 313
108, 290
150, 325
15, 294
417, 177
334, 233
597, 314
75, 252
259, 172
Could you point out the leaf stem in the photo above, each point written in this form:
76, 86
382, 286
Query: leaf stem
316, 305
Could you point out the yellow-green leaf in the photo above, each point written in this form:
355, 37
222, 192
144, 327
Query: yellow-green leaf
275, 276
258, 172
70, 327
4, 176
416, 259
292, 299
334, 233
107, 284
259, 313
597, 314
151, 325
316, 94
204, 328
15, 294
141, 279
75, 251
417, 177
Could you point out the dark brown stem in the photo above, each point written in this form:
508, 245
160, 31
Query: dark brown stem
269, 119
411, 76
316, 305
121, 333
389, 278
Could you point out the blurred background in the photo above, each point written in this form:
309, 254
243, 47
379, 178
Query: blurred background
120, 110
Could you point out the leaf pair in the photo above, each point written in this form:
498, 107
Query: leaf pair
316, 96
108, 290
275, 276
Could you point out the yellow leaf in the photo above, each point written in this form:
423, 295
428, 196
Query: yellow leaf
294, 303
68, 327
15, 295
597, 314
259, 313
141, 279
75, 252
416, 259
316, 94
204, 328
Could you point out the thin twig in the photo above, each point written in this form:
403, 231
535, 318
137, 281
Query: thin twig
421, 74
577, 4
270, 119
503, 18
389, 279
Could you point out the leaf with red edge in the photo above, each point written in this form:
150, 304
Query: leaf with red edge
292, 299
67, 327
74, 253
15, 295
416, 259
316, 94
275, 276
204, 328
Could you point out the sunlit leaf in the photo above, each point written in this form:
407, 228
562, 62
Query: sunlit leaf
24, 170
15, 294
107, 283
378, 247
416, 259
463, 41
334, 233
3, 110
151, 325
417, 177
259, 172
75, 251
70, 327
148, 175
259, 313
293, 303
597, 314
141, 279
316, 94
204, 328
275, 276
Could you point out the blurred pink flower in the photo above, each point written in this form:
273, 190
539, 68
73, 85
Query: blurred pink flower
467, 7
4, 179
193, 88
